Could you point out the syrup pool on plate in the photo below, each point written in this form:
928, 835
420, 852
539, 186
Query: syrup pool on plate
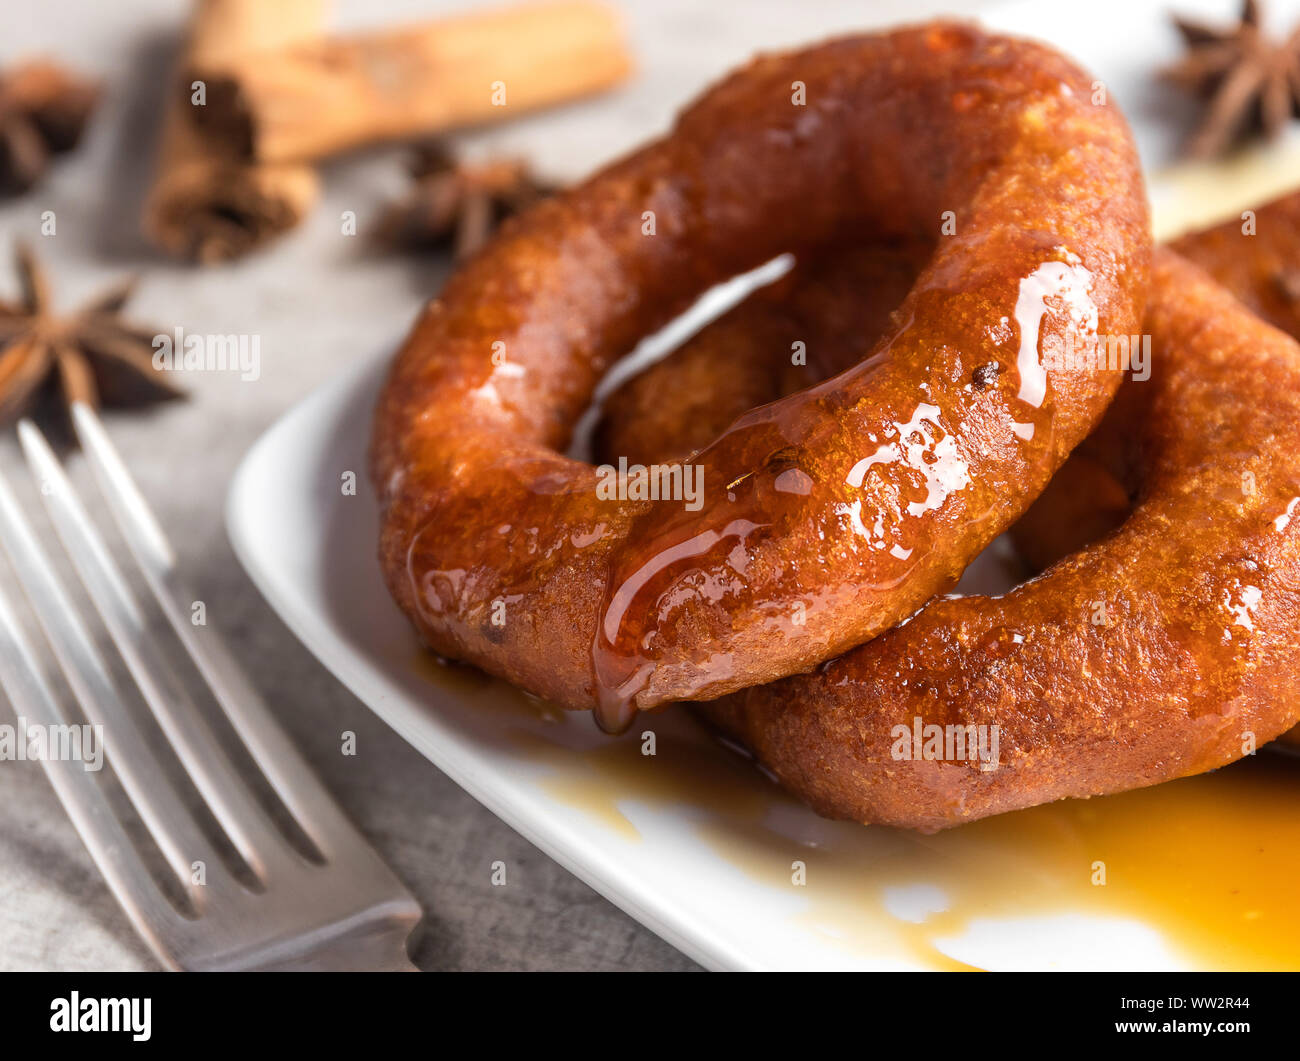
1210, 863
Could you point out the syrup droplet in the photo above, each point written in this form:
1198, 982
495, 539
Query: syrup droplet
1067, 282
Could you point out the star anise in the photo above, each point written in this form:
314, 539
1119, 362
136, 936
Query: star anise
1250, 80
93, 352
459, 204
43, 110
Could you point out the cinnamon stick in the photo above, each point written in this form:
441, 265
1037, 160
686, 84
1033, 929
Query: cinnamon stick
205, 203
321, 97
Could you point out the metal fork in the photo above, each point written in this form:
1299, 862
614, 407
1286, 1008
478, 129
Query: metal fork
345, 911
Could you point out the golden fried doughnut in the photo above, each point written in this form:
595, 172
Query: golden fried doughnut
1090, 496
1170, 647
839, 301
1257, 258
501, 551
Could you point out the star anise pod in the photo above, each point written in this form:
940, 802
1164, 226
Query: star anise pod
92, 352
459, 204
1249, 79
43, 110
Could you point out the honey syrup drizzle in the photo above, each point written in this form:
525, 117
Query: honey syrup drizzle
1210, 862
698, 556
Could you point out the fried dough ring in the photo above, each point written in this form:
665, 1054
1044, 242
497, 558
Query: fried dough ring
1258, 260
1260, 264
840, 301
1089, 497
1200, 590
622, 604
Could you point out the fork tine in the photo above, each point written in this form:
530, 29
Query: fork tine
304, 796
153, 797
194, 743
80, 793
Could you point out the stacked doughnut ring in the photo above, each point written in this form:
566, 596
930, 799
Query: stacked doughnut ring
1169, 647
833, 514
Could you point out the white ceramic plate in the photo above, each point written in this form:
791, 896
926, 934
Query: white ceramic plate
692, 841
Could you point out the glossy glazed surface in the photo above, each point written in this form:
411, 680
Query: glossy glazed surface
1092, 495
835, 513
1167, 648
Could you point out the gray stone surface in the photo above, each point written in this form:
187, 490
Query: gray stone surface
318, 300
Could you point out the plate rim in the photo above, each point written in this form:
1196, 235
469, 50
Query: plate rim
682, 926
548, 834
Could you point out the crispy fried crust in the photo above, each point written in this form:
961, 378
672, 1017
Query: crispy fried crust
1152, 654
841, 298
1257, 258
500, 550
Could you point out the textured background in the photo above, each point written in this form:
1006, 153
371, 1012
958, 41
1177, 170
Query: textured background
319, 300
